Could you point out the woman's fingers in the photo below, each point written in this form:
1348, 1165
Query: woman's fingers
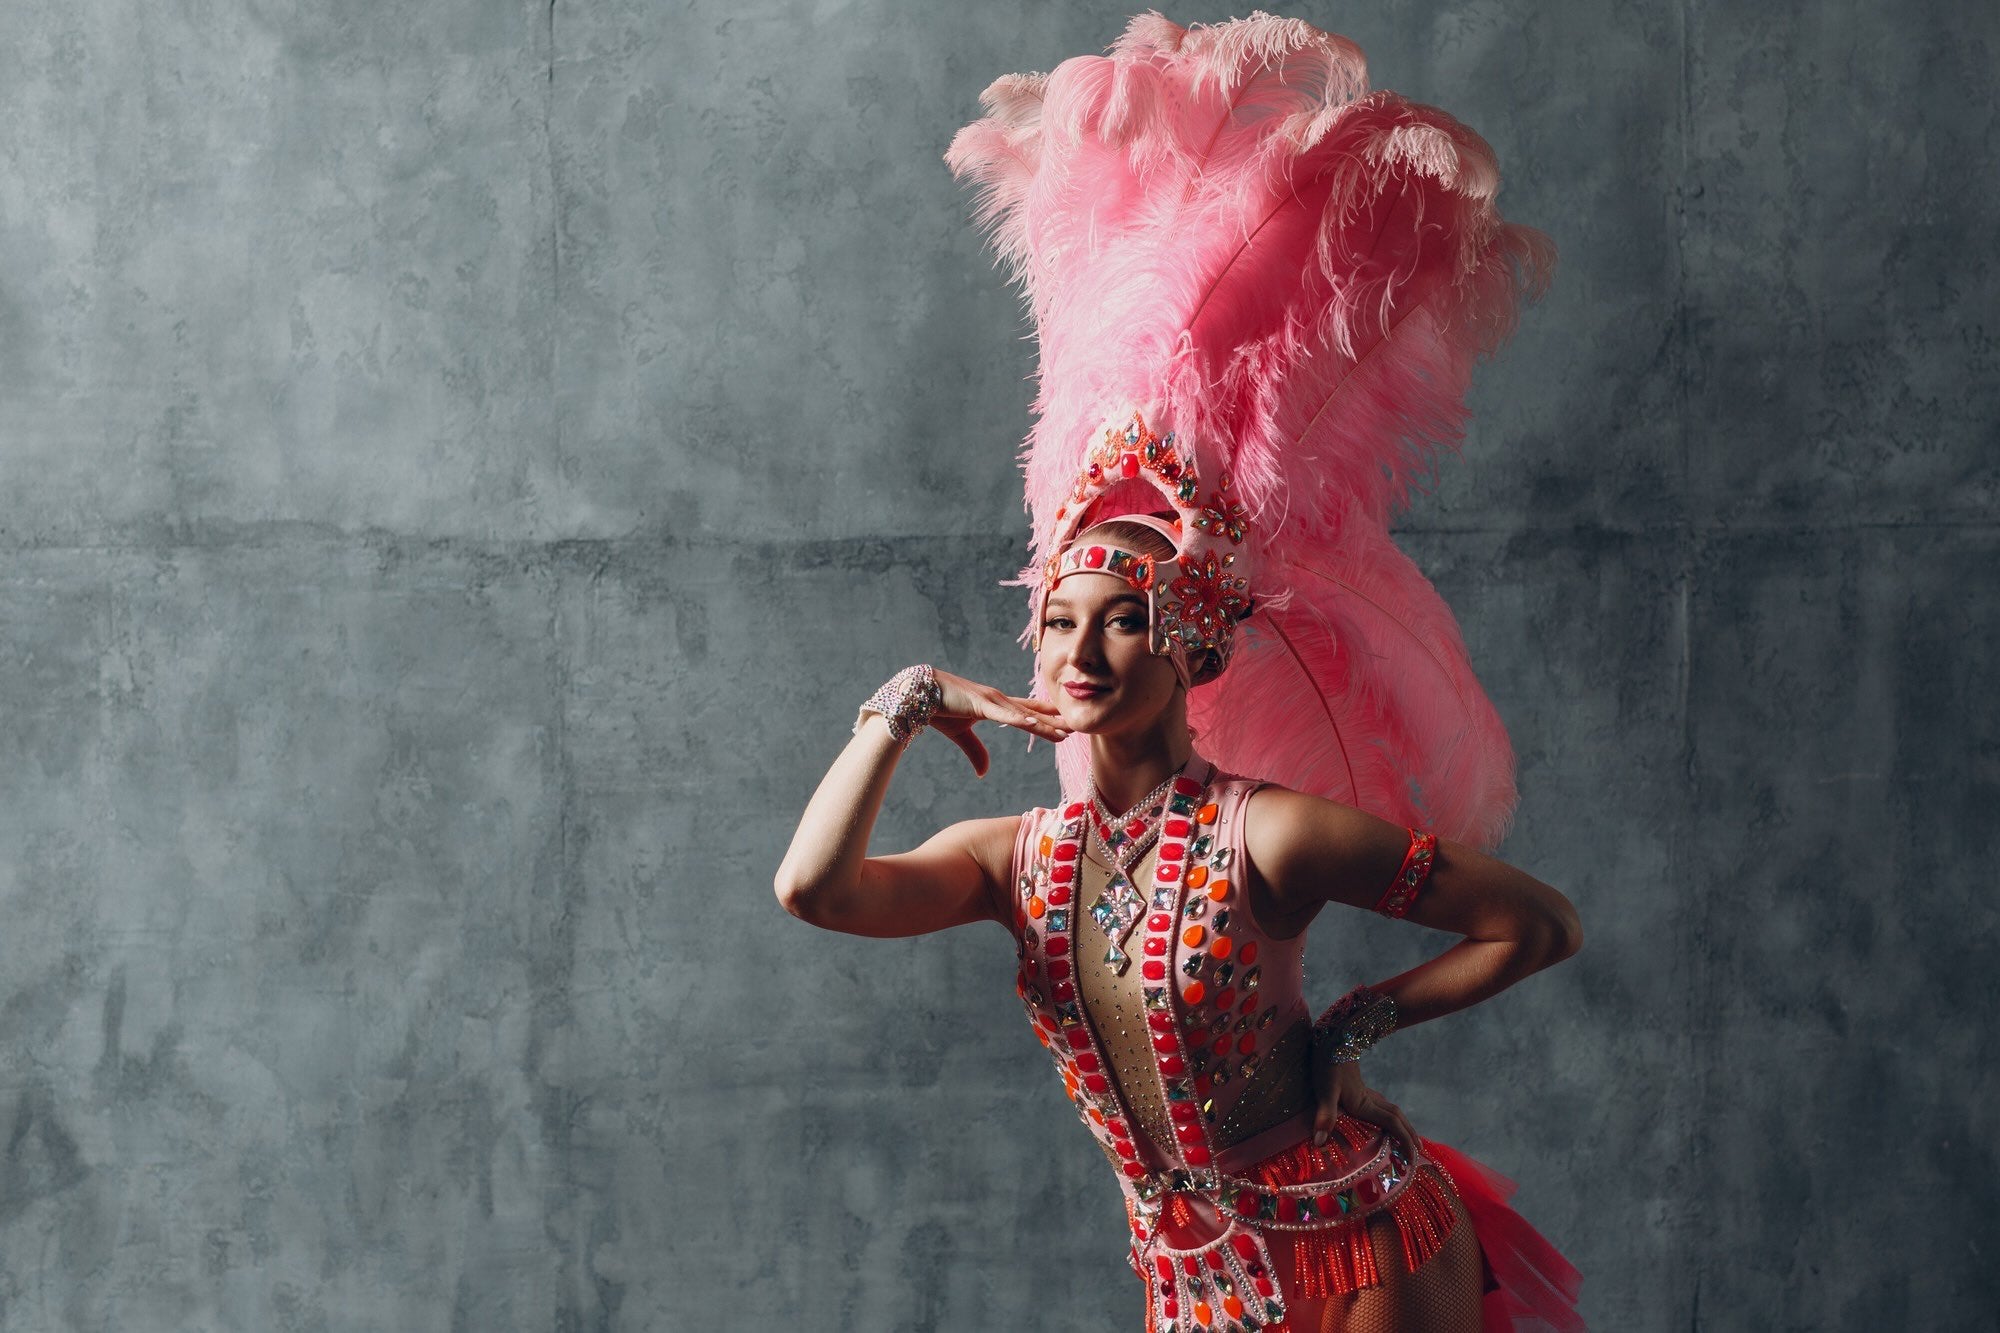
975, 749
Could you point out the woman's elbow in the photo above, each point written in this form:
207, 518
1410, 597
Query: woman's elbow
795, 897
1564, 932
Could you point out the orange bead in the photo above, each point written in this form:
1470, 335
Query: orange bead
1197, 877
1221, 947
1193, 936
1196, 991
1036, 907
1203, 1313
1219, 890
1249, 954
1233, 1306
1205, 815
1097, 1115
1048, 844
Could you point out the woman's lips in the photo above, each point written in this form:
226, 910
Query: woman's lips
1085, 691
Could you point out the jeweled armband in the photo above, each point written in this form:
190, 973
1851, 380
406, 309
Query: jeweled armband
905, 701
1411, 876
1353, 1023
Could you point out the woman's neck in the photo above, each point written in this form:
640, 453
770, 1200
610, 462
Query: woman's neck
1125, 768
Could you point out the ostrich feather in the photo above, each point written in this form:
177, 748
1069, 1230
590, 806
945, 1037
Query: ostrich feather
1296, 274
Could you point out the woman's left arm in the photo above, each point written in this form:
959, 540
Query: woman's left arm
1305, 852
1308, 852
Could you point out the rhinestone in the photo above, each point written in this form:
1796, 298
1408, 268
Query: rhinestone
1195, 907
1192, 964
1202, 844
1222, 857
1251, 978
1222, 919
1223, 972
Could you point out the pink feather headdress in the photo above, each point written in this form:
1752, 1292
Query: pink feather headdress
1222, 230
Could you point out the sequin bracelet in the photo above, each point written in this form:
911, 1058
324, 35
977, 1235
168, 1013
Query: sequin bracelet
906, 702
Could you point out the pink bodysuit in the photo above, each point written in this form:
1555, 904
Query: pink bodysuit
1190, 1068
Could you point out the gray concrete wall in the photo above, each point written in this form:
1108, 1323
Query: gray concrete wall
464, 461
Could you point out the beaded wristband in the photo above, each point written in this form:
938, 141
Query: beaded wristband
905, 701
1401, 895
1353, 1023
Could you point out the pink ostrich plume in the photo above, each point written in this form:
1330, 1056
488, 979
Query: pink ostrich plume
1296, 275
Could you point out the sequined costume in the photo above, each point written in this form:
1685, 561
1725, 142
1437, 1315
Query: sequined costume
1189, 1068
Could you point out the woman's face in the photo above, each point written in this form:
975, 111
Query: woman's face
1094, 664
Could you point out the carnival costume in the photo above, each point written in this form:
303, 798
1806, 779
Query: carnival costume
1258, 290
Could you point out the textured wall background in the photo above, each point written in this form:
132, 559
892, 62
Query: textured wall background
465, 459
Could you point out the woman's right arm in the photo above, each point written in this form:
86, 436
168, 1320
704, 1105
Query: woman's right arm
827, 877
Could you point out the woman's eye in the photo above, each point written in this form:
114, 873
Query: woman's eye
1055, 622
1129, 622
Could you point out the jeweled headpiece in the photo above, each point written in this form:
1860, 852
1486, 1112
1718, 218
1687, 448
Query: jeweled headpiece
1232, 247
1194, 600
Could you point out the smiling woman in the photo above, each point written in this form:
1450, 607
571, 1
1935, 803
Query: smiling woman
1258, 289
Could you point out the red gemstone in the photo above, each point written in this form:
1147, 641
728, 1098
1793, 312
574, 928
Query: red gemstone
1288, 1208
1166, 1267
1227, 999
1072, 810
1135, 1169
1093, 558
1136, 829
1155, 947
1160, 1022
1078, 1038
1187, 786
1154, 969
1173, 851
1215, 1260
1065, 851
1168, 873
1118, 1130
1246, 1249
1166, 1043
1198, 1037
1064, 992
1177, 828
1059, 895
1328, 1204
1170, 1307
1058, 945
1058, 970
1249, 1204
1190, 1266
1172, 1066
1128, 465
1195, 1156
1087, 1061
1062, 874
1160, 921
1183, 1111
1247, 1044
1125, 1150
1264, 1287
1096, 1083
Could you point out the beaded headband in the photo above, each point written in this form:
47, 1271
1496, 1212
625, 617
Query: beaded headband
1194, 604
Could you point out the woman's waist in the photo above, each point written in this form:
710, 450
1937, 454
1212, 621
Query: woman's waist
1280, 1177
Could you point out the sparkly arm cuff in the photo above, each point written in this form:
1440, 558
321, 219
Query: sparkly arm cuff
1411, 876
905, 701
1354, 1022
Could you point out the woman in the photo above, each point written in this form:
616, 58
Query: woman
1220, 228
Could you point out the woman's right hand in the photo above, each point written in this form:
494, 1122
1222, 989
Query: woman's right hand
964, 703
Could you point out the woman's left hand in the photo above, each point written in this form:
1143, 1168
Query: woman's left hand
1338, 1090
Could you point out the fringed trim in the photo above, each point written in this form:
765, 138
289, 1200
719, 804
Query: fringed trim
1340, 1260
1424, 1216
1334, 1262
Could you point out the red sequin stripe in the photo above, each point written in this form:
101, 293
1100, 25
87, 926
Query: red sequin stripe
1401, 895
